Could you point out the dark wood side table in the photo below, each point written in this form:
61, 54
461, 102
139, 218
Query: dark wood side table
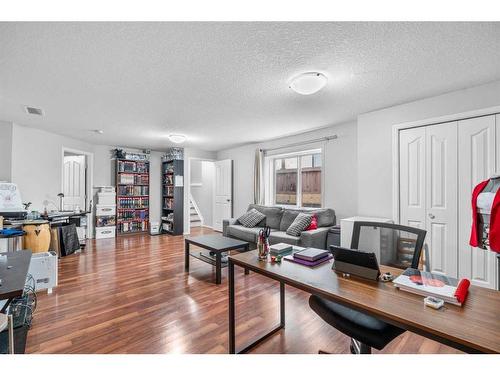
217, 244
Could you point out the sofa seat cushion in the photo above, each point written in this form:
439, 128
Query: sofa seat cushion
242, 233
279, 236
273, 215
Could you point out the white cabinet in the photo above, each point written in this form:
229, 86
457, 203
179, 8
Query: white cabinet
439, 165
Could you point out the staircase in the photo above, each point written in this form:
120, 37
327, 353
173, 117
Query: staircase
195, 218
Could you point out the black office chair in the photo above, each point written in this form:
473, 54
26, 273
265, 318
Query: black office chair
396, 246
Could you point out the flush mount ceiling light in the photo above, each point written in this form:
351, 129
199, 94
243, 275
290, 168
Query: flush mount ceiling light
98, 131
308, 83
177, 138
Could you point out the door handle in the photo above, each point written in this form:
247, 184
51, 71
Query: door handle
229, 200
431, 216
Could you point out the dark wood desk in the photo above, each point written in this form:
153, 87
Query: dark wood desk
473, 328
13, 271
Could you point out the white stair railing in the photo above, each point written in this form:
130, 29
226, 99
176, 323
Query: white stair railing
196, 208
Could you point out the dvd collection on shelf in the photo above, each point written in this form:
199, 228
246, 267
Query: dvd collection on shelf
126, 208
133, 202
133, 196
133, 179
173, 197
124, 190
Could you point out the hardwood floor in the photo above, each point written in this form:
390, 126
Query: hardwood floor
131, 295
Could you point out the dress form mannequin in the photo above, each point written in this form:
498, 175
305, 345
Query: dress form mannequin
493, 184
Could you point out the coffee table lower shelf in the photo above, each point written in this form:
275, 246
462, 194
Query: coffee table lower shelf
198, 256
216, 244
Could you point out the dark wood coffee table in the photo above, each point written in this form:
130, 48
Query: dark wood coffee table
217, 244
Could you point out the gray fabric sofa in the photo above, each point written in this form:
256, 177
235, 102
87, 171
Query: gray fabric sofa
279, 219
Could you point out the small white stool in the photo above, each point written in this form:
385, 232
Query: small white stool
6, 321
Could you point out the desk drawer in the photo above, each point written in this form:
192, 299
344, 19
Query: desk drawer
105, 210
105, 232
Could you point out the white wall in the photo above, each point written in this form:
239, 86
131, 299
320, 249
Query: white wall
37, 164
203, 175
375, 140
37, 167
5, 150
340, 186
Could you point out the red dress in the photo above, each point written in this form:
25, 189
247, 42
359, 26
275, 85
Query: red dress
494, 234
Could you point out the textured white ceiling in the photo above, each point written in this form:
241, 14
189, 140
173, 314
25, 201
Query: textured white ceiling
224, 84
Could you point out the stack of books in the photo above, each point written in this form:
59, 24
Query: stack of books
280, 249
310, 257
424, 283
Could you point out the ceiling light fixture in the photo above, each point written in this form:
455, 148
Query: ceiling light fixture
99, 131
308, 83
177, 138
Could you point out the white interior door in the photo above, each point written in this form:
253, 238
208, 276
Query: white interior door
223, 205
441, 197
74, 182
412, 177
476, 160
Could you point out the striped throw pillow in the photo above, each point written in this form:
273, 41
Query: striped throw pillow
251, 218
299, 225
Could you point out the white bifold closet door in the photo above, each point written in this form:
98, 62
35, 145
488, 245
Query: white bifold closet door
476, 161
428, 191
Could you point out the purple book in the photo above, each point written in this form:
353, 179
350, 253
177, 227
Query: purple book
308, 263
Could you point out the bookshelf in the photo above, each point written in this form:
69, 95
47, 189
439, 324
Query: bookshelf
172, 218
132, 196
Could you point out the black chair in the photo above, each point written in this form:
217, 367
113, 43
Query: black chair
396, 246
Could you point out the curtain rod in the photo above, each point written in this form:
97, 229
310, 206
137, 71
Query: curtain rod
327, 138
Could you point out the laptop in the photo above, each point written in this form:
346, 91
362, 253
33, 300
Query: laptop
355, 262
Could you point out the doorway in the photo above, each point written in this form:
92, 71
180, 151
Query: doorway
201, 193
76, 182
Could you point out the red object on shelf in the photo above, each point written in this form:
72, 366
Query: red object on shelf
462, 290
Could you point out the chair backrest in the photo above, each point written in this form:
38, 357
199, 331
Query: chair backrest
395, 245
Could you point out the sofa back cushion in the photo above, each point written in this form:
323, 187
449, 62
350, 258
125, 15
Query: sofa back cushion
273, 215
288, 218
326, 217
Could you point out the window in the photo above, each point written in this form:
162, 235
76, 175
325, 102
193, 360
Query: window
296, 179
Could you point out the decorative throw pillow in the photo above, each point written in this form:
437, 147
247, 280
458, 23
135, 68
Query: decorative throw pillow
314, 223
251, 218
300, 223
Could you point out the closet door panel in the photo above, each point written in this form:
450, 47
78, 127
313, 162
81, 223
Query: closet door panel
441, 197
412, 177
476, 160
